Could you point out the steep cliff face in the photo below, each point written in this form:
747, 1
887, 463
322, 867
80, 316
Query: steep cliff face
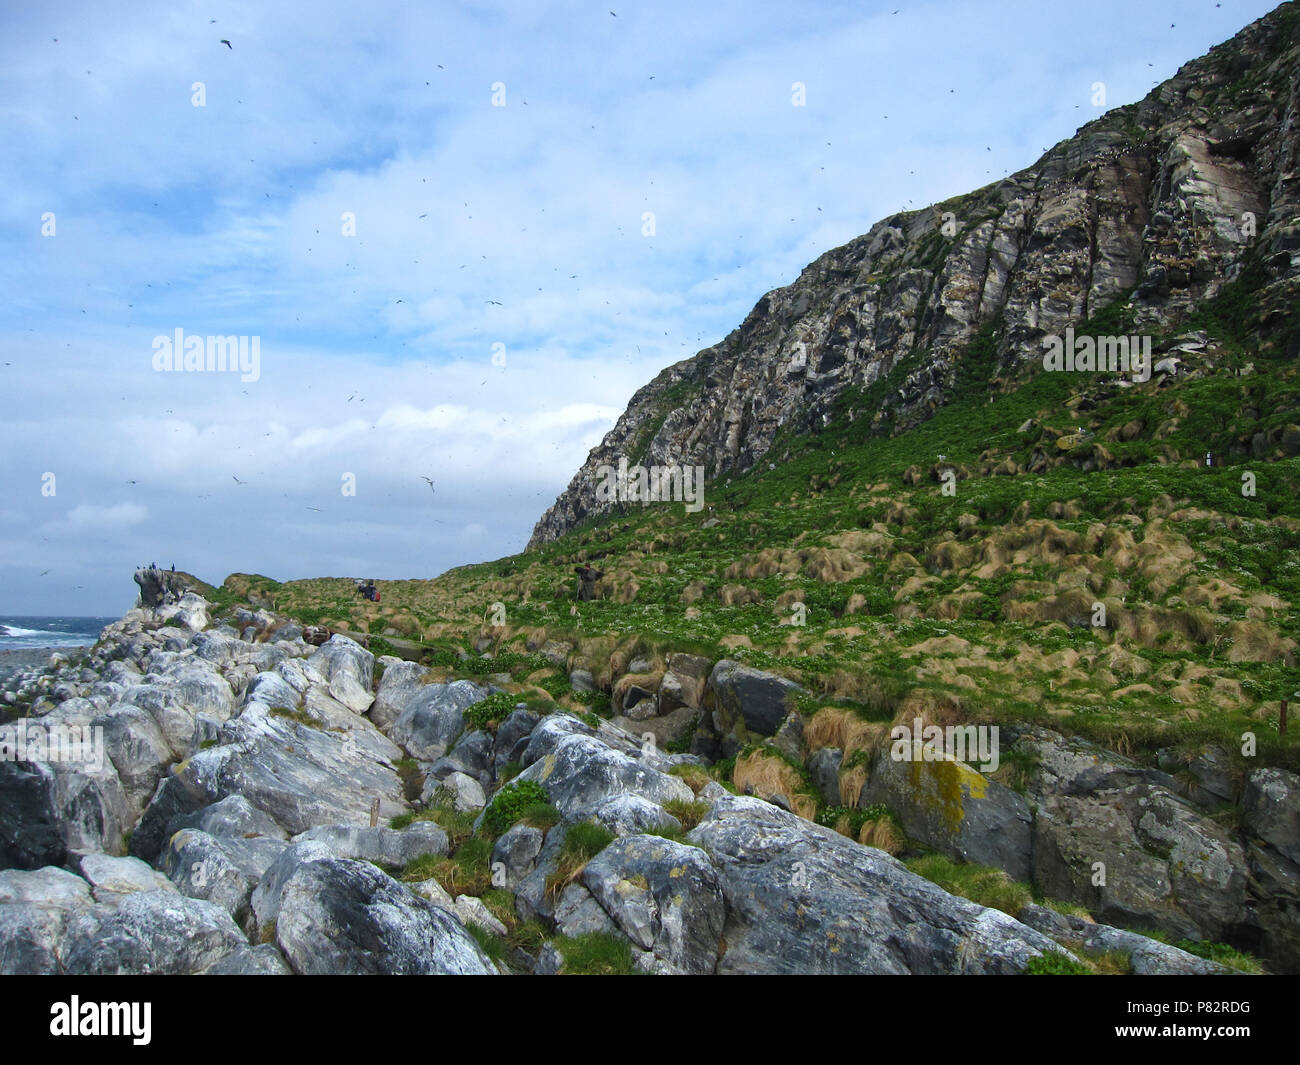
1156, 205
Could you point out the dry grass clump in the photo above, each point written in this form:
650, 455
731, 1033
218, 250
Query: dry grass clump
835, 726
766, 775
882, 835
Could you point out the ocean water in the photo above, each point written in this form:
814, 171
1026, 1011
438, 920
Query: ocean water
19, 632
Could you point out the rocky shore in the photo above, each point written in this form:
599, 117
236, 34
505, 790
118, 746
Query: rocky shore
24, 665
266, 806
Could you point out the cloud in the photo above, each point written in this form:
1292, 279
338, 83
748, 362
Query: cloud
89, 517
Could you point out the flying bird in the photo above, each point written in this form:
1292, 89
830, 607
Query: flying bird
494, 303
227, 44
237, 480
429, 482
317, 509
42, 573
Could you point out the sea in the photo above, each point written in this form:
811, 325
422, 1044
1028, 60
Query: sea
22, 632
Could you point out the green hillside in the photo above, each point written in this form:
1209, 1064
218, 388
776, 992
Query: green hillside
1067, 491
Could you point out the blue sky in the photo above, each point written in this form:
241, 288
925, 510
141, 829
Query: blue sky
515, 229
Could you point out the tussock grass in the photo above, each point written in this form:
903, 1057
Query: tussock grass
582, 842
981, 884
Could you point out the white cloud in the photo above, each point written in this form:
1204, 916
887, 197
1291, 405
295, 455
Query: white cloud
88, 516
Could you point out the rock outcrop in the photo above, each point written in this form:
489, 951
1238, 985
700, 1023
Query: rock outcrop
1161, 202
258, 850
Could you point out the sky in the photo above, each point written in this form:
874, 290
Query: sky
460, 236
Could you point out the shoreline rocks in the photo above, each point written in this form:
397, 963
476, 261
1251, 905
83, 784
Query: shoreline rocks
238, 820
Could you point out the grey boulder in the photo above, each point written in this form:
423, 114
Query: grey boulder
434, 718
664, 896
343, 917
379, 844
150, 932
804, 899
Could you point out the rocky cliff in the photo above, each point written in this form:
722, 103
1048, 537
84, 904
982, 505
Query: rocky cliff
1156, 205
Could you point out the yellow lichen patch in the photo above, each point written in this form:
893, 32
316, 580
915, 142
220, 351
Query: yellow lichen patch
944, 785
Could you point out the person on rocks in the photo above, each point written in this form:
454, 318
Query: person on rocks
587, 578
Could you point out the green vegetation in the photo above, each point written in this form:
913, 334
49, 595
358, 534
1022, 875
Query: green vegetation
295, 715
689, 814
595, 954
493, 945
583, 840
489, 711
513, 802
1055, 963
1223, 954
979, 883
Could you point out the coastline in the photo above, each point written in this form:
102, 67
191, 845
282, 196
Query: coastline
20, 659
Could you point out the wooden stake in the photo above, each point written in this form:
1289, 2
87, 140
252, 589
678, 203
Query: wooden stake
1281, 721
374, 812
